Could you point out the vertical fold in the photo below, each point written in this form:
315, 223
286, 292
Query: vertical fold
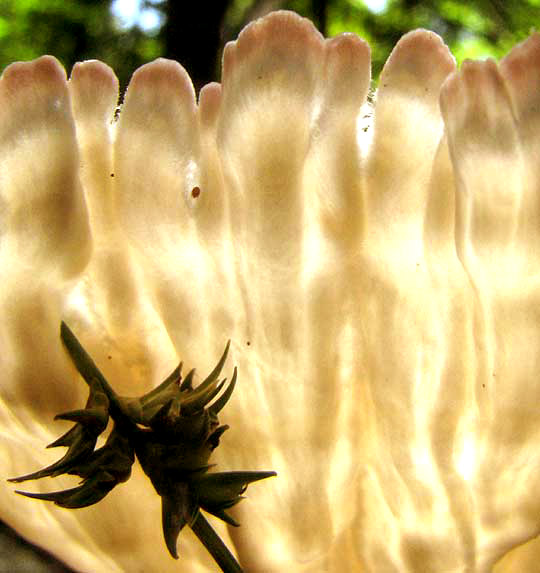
270, 99
403, 339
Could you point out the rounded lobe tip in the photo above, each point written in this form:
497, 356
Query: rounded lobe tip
521, 71
38, 84
92, 72
161, 79
348, 47
94, 87
524, 55
45, 69
420, 62
478, 85
347, 71
283, 26
281, 34
209, 102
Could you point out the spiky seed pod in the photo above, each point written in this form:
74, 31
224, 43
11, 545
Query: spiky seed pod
172, 430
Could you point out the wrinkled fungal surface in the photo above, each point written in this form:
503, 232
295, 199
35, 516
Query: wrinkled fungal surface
375, 265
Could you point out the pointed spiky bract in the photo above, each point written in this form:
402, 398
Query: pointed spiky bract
172, 430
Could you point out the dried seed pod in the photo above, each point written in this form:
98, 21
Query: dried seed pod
172, 431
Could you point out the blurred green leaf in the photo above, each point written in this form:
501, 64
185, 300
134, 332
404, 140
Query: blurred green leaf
83, 29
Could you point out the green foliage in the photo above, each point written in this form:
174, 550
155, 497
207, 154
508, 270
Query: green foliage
83, 29
72, 32
471, 29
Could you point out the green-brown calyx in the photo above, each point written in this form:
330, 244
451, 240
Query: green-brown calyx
172, 430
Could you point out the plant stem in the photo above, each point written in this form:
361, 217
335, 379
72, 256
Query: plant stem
85, 365
213, 542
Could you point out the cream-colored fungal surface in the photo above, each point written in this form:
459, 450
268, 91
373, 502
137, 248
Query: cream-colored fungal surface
374, 263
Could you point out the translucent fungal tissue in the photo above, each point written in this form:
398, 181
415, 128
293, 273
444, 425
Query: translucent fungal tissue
378, 282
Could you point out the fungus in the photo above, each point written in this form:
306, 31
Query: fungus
388, 276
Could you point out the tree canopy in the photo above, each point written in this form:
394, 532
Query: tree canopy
127, 33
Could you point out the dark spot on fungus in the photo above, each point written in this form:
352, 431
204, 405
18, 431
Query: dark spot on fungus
112, 174
248, 343
195, 192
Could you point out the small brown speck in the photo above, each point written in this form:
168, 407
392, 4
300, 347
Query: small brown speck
248, 343
112, 174
195, 192
109, 357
